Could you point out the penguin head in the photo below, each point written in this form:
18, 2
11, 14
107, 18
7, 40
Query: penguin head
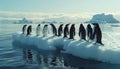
89, 25
51, 24
38, 24
67, 24
25, 25
81, 25
61, 24
73, 24
46, 25
95, 24
30, 26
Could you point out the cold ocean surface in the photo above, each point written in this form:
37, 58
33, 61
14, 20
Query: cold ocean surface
17, 56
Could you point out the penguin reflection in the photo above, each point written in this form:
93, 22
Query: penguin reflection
27, 55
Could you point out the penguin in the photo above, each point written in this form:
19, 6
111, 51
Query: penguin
38, 30
89, 32
66, 31
60, 30
29, 30
45, 31
97, 33
24, 29
54, 30
82, 32
72, 31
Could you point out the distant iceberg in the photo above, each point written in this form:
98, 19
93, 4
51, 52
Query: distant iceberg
23, 21
102, 18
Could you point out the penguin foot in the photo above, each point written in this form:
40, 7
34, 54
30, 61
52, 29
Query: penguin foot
53, 36
58, 35
101, 44
87, 40
64, 37
83, 40
72, 38
94, 43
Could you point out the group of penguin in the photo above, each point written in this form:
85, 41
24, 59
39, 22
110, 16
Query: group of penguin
92, 33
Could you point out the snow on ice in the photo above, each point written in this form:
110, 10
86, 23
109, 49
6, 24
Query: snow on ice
109, 53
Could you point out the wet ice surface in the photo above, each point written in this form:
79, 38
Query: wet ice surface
42, 59
12, 56
108, 53
46, 59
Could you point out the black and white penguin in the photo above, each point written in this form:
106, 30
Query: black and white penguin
29, 30
82, 32
72, 31
45, 31
89, 32
38, 30
24, 29
60, 30
54, 30
66, 31
97, 33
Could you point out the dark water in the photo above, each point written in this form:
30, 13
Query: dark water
14, 55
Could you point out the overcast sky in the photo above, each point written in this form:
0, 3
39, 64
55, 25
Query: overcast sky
43, 9
61, 6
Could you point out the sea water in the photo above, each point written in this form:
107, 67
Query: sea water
29, 57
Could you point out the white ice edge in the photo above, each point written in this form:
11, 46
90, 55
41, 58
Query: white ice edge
109, 53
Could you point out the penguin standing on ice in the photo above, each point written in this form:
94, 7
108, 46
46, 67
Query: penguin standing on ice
54, 30
24, 29
72, 31
29, 30
38, 30
66, 31
82, 32
45, 30
60, 30
89, 32
97, 33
